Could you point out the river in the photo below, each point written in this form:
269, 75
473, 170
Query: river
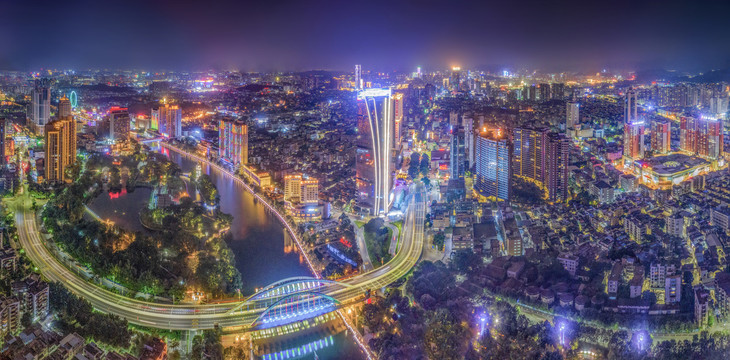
264, 251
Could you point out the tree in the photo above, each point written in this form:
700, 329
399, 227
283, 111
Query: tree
413, 167
438, 240
26, 320
425, 164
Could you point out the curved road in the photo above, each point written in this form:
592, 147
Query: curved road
238, 314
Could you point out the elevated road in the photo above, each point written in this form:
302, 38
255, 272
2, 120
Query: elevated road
236, 314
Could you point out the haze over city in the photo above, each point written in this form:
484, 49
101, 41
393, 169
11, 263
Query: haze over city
384, 35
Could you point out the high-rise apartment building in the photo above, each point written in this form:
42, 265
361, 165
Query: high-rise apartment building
167, 120
634, 140
374, 163
60, 148
545, 92
557, 157
398, 117
701, 136
660, 136
528, 159
457, 164
572, 114
633, 128
233, 140
630, 107
469, 145
64, 107
39, 113
493, 165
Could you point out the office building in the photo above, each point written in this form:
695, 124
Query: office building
39, 113
493, 165
556, 167
457, 165
572, 114
374, 163
233, 141
660, 137
167, 119
60, 148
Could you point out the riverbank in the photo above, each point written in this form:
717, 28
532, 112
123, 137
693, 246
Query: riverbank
240, 181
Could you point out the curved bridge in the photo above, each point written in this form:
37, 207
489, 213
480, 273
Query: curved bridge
239, 314
295, 307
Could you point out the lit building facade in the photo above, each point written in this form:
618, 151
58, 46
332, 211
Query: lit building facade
634, 140
60, 148
457, 165
556, 164
660, 137
39, 113
167, 120
233, 141
701, 136
572, 114
118, 124
374, 163
530, 146
493, 165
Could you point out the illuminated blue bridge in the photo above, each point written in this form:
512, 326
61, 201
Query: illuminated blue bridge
291, 300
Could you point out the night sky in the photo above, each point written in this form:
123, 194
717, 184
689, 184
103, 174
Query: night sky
384, 35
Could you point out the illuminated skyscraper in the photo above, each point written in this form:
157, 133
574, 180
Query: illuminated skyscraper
493, 168
233, 141
701, 136
660, 136
40, 106
457, 165
167, 120
557, 158
633, 128
398, 117
374, 163
630, 107
528, 160
634, 140
60, 148
358, 77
